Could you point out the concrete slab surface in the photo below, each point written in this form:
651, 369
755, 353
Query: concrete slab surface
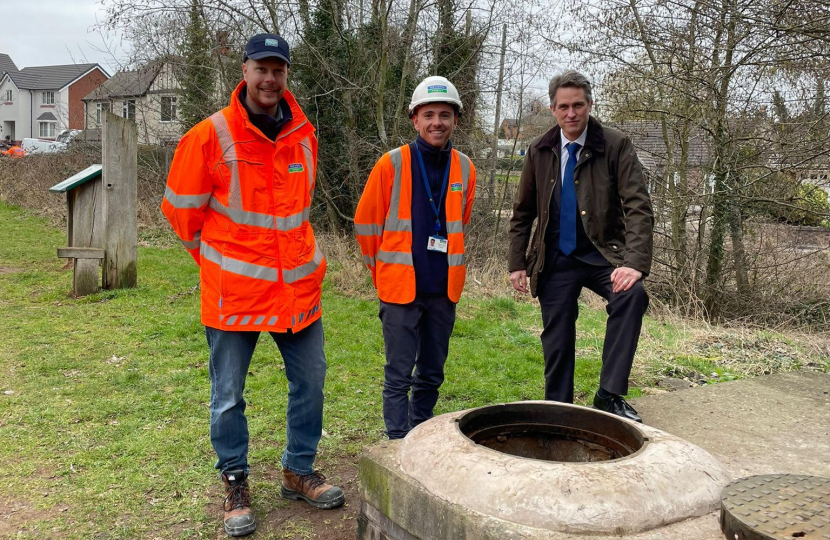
774, 424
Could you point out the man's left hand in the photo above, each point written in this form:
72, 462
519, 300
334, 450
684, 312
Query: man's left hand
623, 278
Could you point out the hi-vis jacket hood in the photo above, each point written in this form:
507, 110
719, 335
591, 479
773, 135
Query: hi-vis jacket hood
383, 224
240, 204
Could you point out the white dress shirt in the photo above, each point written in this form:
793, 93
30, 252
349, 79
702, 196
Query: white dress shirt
564, 153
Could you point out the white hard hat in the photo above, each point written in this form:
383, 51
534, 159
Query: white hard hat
435, 90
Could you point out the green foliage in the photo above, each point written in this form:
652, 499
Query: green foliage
198, 78
790, 201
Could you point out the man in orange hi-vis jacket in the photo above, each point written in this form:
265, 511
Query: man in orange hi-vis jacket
15, 152
411, 222
238, 195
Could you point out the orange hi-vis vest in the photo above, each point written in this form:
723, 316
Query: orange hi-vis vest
15, 152
240, 204
383, 224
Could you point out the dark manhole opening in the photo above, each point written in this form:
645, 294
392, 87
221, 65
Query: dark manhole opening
551, 432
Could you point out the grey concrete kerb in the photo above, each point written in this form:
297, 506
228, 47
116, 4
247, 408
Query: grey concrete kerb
666, 481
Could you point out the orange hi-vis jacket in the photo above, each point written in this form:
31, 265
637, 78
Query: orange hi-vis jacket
240, 204
15, 152
383, 224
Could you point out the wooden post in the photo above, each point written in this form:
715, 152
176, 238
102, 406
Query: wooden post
120, 161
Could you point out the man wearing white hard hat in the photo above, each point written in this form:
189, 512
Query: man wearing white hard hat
411, 224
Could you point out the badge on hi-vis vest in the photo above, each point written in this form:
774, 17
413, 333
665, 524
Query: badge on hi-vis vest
295, 167
437, 243
455, 186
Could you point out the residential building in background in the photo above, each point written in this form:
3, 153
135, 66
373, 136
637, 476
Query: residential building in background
42, 101
148, 95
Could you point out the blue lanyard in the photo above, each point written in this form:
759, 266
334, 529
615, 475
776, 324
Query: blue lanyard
435, 209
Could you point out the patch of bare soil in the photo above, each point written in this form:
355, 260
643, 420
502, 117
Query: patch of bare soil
17, 517
297, 520
8, 270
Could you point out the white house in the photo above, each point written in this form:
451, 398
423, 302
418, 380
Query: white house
148, 95
42, 101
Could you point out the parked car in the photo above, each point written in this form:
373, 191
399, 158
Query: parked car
40, 146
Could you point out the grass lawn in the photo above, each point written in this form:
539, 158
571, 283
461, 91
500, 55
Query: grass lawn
104, 399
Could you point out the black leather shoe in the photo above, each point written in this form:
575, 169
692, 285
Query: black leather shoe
616, 405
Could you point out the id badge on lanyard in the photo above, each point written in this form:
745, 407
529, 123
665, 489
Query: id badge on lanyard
436, 242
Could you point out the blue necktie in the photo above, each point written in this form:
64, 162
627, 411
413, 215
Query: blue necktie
567, 206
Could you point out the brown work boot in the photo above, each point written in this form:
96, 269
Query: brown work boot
239, 520
312, 488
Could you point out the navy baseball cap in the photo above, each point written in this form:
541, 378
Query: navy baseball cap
267, 46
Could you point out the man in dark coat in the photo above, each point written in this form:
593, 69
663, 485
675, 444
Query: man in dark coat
583, 186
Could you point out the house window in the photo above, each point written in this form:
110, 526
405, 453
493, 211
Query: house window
128, 109
168, 109
47, 98
8, 95
100, 109
47, 129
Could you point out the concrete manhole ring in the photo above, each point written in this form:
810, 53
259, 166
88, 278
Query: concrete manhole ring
662, 479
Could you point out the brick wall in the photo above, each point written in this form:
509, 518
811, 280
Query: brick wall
79, 90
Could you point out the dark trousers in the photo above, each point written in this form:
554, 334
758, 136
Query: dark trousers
558, 295
416, 336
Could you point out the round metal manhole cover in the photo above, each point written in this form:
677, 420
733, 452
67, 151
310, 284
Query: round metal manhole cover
776, 507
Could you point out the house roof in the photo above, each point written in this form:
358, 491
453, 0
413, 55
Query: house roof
7, 65
647, 138
127, 83
51, 77
47, 116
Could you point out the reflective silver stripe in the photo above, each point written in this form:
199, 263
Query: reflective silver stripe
242, 268
456, 260
454, 227
223, 133
186, 201
211, 255
306, 144
272, 321
465, 178
304, 270
195, 243
284, 135
393, 223
395, 257
370, 261
231, 320
292, 222
369, 229
243, 217
259, 320
245, 320
266, 221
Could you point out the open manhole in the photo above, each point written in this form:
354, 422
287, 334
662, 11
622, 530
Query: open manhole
539, 431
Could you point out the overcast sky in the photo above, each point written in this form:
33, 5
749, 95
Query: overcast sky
56, 32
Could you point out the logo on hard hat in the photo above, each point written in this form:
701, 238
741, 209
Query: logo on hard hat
436, 88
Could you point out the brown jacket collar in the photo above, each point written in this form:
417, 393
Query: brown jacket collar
595, 140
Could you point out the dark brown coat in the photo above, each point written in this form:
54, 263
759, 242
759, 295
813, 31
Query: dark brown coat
613, 201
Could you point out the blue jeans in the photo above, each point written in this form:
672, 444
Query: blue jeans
305, 368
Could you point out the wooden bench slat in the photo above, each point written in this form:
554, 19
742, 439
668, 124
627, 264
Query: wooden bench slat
80, 253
